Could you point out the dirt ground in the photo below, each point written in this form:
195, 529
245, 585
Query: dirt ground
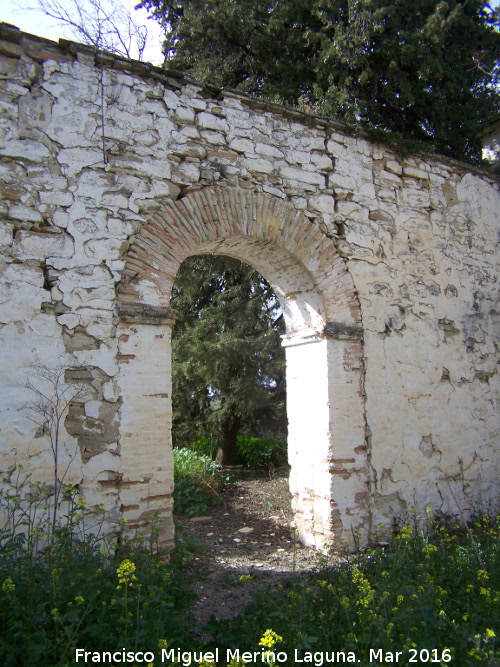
249, 533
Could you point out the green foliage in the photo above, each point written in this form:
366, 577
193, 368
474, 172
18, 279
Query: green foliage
204, 446
189, 498
261, 452
422, 70
62, 589
410, 68
252, 452
227, 362
198, 479
425, 590
198, 466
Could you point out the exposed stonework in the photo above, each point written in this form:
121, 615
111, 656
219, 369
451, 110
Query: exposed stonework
386, 269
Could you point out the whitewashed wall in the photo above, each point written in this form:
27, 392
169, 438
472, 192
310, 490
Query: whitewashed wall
387, 270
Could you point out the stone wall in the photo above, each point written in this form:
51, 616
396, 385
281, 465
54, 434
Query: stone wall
113, 172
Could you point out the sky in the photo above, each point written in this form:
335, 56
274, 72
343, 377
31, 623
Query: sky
37, 23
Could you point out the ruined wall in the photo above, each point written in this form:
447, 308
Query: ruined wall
112, 172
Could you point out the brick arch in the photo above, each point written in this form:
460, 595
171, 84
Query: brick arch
327, 447
289, 250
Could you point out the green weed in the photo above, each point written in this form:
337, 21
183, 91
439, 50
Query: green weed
261, 452
427, 591
198, 482
61, 588
252, 452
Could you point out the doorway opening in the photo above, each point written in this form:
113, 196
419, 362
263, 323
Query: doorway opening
228, 366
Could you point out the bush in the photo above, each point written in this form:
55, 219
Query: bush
199, 467
261, 452
198, 481
205, 446
252, 452
189, 498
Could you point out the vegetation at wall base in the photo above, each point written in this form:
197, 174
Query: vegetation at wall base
63, 588
431, 590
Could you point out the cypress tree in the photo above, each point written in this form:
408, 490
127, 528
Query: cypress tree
227, 362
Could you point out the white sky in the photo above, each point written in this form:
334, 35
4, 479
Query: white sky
37, 23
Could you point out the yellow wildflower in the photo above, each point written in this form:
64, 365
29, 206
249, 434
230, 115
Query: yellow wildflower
126, 574
8, 585
429, 549
367, 592
269, 639
406, 533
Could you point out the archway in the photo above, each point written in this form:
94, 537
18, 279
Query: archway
325, 402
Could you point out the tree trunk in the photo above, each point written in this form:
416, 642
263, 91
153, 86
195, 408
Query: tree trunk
228, 430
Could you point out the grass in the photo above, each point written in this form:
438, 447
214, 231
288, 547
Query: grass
431, 594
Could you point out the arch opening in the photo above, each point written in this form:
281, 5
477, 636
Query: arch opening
327, 444
293, 285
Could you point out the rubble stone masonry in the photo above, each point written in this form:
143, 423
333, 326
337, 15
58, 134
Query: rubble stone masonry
112, 172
